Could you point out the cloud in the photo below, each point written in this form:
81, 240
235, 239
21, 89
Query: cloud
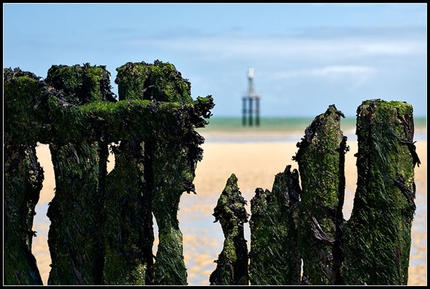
353, 75
285, 47
328, 71
343, 69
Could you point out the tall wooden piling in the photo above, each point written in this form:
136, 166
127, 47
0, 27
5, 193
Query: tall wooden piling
377, 239
128, 227
320, 219
23, 175
75, 237
162, 154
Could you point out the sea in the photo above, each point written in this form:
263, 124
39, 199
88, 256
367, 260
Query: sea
237, 129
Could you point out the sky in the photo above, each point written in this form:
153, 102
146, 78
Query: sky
305, 56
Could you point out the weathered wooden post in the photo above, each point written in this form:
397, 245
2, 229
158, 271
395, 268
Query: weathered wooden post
72, 110
101, 224
274, 258
23, 175
75, 236
377, 238
166, 169
232, 263
129, 235
323, 186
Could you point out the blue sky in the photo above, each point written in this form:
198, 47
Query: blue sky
305, 56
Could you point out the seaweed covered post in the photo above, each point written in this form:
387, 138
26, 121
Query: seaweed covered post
156, 82
73, 111
169, 168
23, 175
170, 153
377, 238
75, 236
274, 258
129, 235
232, 263
320, 220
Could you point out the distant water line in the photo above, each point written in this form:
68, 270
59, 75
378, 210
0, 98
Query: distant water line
227, 129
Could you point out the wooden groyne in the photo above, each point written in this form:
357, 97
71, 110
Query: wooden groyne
298, 233
101, 224
101, 230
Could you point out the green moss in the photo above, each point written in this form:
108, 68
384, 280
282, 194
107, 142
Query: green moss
232, 263
80, 84
158, 81
385, 107
319, 165
274, 256
383, 209
22, 98
23, 178
23, 175
75, 234
268, 262
128, 226
157, 113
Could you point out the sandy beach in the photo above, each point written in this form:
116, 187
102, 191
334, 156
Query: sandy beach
255, 164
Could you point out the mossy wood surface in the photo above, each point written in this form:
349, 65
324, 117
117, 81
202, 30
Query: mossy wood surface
232, 263
101, 224
293, 225
320, 217
23, 175
377, 239
274, 256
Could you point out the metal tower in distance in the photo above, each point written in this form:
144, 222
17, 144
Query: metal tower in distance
247, 101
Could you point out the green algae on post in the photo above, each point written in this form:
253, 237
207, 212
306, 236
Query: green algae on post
320, 218
159, 81
75, 112
76, 237
377, 239
171, 149
232, 263
274, 256
101, 224
129, 235
23, 175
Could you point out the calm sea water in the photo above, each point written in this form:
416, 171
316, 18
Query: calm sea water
281, 129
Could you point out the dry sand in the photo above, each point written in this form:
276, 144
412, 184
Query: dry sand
255, 164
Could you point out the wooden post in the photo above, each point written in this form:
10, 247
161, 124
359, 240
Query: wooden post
320, 218
377, 239
167, 162
23, 175
232, 263
274, 255
128, 227
75, 238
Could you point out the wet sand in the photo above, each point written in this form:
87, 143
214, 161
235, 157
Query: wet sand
255, 164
